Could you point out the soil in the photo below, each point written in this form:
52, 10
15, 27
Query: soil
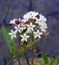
37, 61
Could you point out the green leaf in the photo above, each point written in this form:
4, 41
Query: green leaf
23, 31
10, 43
53, 61
45, 58
21, 50
25, 42
30, 42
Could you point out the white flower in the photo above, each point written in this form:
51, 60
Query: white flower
13, 34
42, 18
15, 21
31, 14
30, 27
42, 23
24, 37
43, 27
37, 34
19, 28
24, 20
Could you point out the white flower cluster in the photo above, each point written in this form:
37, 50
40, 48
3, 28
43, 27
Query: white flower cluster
32, 23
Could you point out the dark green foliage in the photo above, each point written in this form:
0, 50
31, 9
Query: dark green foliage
25, 42
23, 31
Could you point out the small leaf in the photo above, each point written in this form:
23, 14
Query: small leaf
30, 42
23, 31
53, 61
25, 42
21, 50
45, 58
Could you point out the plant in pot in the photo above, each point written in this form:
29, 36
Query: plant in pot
28, 31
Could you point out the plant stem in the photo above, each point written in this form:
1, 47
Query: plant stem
18, 60
19, 41
25, 53
32, 49
32, 54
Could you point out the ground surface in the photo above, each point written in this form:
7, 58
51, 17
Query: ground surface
49, 8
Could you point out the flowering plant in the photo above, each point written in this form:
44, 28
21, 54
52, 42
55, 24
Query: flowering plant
28, 31
32, 25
